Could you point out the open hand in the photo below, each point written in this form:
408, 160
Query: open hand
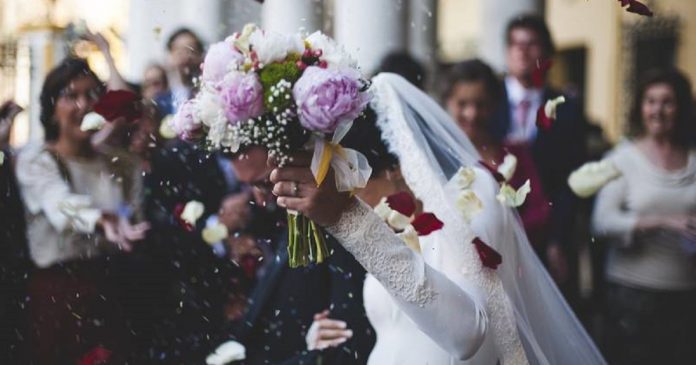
326, 332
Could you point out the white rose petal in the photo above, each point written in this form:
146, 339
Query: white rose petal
226, 353
410, 237
214, 233
465, 177
242, 41
398, 221
512, 198
92, 122
508, 167
192, 211
591, 177
383, 210
165, 129
469, 204
551, 106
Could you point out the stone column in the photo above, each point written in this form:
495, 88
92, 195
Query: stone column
370, 29
422, 39
289, 16
494, 19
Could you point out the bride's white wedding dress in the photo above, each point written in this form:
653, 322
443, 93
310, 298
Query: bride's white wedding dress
441, 306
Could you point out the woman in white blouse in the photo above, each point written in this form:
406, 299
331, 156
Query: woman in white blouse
78, 203
648, 216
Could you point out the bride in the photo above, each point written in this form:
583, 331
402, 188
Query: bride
440, 305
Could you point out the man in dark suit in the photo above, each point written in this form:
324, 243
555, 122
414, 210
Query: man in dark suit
192, 280
283, 304
557, 150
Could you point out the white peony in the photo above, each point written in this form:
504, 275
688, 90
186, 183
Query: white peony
465, 177
508, 167
272, 46
410, 237
210, 110
469, 204
511, 197
226, 353
192, 211
92, 122
333, 53
591, 177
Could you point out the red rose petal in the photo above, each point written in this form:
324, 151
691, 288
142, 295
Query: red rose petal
96, 356
543, 121
119, 104
403, 203
496, 175
539, 74
426, 223
178, 209
636, 7
248, 264
490, 258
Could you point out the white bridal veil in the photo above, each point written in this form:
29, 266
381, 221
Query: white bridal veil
530, 322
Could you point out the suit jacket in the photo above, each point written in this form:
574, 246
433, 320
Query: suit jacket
283, 304
195, 282
556, 152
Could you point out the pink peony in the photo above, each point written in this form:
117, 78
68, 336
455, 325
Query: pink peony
242, 97
220, 59
327, 98
186, 123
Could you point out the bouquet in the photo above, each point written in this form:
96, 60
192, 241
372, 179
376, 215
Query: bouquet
285, 93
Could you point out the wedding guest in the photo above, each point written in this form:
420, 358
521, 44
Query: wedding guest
471, 95
186, 50
283, 303
557, 150
77, 201
155, 82
648, 215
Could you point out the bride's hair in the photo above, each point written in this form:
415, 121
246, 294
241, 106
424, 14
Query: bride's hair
366, 138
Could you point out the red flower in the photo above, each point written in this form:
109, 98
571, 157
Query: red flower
402, 202
543, 121
539, 74
96, 356
426, 223
490, 258
636, 7
496, 175
119, 104
178, 209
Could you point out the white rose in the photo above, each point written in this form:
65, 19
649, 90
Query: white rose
192, 211
410, 237
512, 198
508, 167
210, 109
469, 204
226, 353
465, 177
591, 177
92, 122
333, 53
271, 46
398, 221
382, 209
551, 106
214, 233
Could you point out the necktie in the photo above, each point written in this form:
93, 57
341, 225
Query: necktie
522, 114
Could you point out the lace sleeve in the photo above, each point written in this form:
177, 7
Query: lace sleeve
452, 315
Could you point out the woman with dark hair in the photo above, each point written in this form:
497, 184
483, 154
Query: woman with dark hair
79, 203
471, 96
648, 215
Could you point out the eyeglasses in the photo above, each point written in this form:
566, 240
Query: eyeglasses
71, 95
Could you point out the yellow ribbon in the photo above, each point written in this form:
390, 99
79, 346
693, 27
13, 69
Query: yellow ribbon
327, 154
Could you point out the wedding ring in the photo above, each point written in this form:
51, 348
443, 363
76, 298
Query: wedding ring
295, 188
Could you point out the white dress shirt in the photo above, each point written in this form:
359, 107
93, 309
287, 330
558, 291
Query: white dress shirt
522, 131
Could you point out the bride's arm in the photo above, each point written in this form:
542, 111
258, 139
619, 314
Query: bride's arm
450, 314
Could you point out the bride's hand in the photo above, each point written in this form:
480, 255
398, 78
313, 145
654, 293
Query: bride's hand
297, 190
326, 332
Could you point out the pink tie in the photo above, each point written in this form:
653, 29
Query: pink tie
522, 114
